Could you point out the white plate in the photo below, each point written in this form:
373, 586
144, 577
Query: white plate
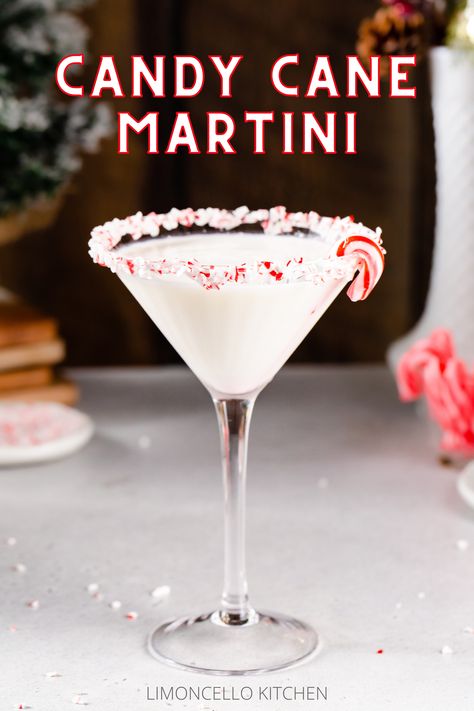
465, 484
38, 432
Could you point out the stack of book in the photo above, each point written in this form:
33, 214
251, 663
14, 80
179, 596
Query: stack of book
30, 348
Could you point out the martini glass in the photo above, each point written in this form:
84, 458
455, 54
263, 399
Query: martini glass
235, 293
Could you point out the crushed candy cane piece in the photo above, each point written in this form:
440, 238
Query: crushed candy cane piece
144, 442
161, 593
131, 615
446, 650
33, 604
11, 541
19, 568
115, 605
12, 628
379, 651
80, 700
462, 544
92, 588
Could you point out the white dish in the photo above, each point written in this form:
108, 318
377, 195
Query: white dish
37, 432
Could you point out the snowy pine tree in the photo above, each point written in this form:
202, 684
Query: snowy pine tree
41, 134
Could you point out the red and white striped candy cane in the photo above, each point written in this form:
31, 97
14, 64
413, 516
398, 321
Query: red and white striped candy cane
370, 263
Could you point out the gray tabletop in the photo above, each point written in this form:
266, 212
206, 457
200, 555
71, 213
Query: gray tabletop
352, 525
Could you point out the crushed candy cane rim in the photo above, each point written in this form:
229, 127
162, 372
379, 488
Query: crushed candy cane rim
364, 251
31, 425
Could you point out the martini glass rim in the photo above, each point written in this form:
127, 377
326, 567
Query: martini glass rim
110, 242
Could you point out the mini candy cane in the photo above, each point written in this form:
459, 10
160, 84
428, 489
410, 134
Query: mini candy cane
370, 263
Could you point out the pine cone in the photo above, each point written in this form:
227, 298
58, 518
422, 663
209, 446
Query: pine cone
406, 7
390, 33
437, 14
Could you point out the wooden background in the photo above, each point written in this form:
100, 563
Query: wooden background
389, 183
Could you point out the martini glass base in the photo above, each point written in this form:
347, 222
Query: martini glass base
268, 642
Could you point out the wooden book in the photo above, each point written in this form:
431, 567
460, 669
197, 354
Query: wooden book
33, 354
22, 324
62, 391
29, 378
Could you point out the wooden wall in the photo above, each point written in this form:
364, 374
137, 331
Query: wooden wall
389, 183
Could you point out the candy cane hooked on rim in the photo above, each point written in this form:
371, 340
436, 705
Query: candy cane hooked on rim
370, 263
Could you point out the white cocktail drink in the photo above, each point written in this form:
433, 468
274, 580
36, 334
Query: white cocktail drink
236, 337
235, 293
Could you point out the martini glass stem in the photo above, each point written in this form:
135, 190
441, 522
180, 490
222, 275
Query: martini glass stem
234, 420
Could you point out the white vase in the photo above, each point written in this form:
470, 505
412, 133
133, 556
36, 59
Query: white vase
450, 301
